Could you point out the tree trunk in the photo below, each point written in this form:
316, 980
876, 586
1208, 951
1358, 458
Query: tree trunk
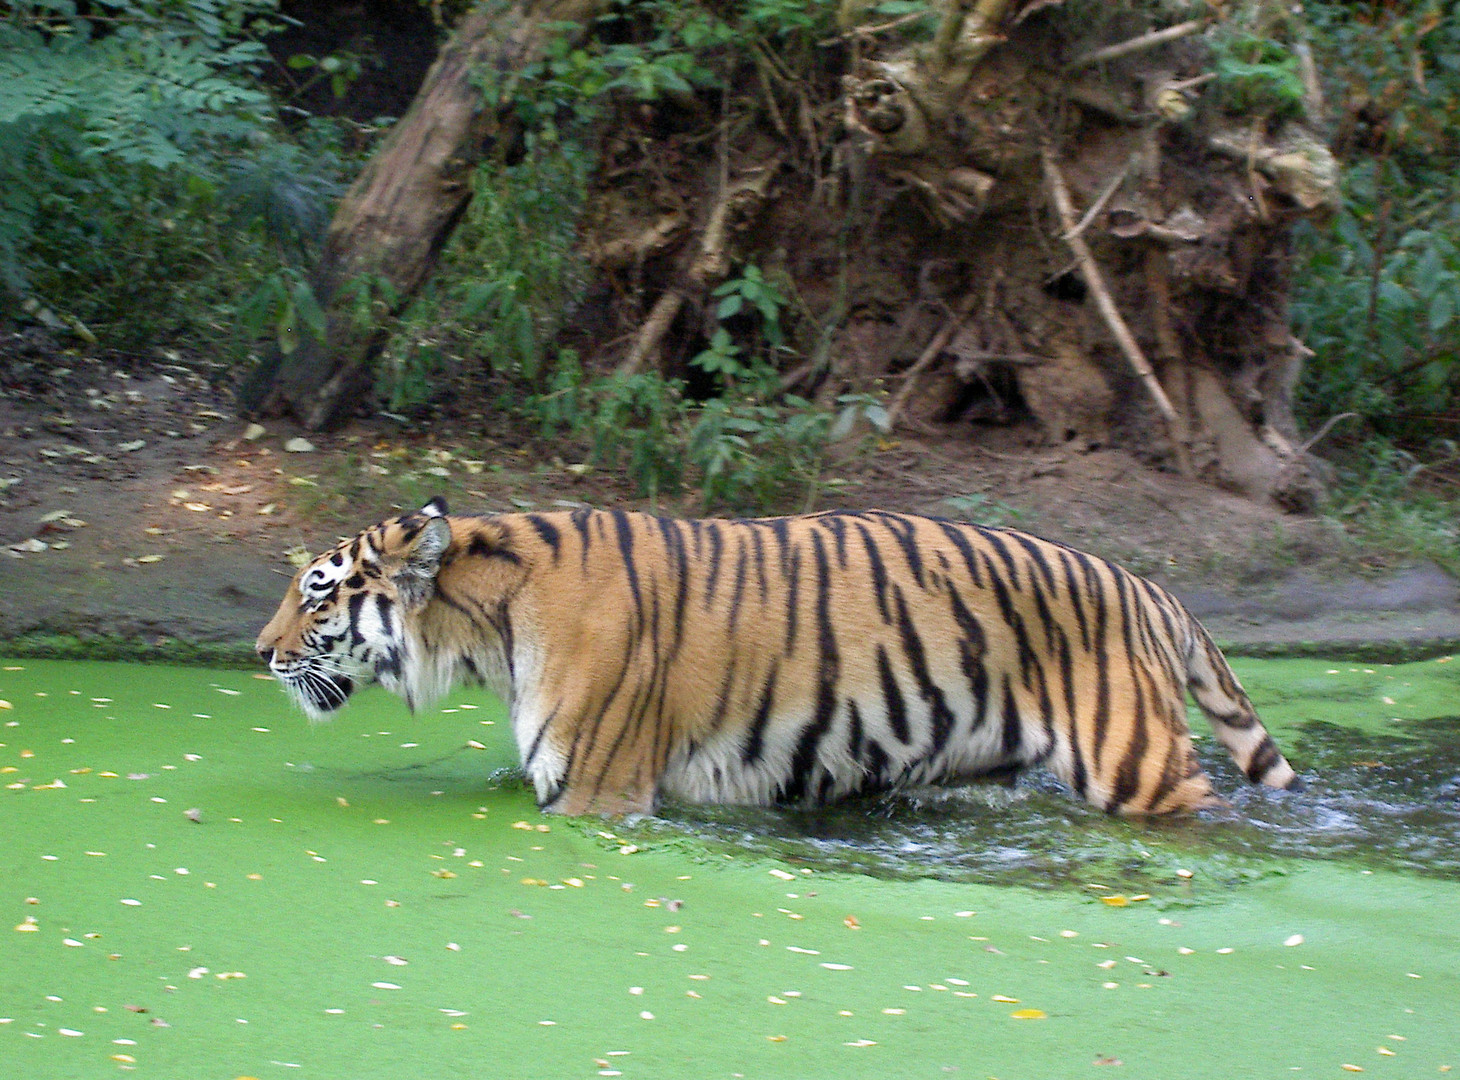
391, 225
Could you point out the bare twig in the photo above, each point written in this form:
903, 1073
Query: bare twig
869, 31
1099, 203
934, 349
1183, 85
1095, 281
1137, 44
1324, 430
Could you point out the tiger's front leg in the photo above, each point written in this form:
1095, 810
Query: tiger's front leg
583, 760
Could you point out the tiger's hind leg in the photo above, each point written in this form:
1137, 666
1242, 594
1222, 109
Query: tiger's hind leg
1159, 775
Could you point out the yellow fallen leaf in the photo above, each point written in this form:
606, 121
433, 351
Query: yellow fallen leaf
1114, 901
1028, 1014
27, 928
443, 873
1005, 999
149, 559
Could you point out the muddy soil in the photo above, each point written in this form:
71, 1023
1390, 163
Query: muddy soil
134, 502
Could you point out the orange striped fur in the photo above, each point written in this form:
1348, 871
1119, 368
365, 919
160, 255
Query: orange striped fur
779, 660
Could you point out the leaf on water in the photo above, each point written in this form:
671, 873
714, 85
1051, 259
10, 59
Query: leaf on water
1115, 901
851, 923
1028, 1014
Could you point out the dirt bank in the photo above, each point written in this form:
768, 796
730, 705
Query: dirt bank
133, 505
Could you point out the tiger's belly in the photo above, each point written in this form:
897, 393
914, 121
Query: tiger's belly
796, 759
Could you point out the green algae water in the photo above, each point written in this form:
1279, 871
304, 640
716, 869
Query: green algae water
195, 882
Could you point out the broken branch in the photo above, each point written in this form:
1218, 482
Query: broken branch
935, 347
1137, 44
1095, 281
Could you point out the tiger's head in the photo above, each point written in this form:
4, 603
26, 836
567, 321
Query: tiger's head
344, 621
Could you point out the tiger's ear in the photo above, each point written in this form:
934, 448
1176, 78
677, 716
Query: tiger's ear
435, 508
415, 581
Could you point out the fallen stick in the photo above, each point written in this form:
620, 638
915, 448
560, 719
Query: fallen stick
936, 344
1095, 281
1136, 44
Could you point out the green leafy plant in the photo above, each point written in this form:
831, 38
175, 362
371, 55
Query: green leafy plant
1378, 292
1257, 75
1377, 289
284, 305
637, 422
739, 368
143, 184
982, 510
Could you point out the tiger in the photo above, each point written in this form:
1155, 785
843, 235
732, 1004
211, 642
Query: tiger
775, 661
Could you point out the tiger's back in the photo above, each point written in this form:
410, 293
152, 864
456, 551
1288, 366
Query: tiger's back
802, 659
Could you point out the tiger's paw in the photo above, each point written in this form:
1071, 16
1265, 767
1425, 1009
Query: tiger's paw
573, 802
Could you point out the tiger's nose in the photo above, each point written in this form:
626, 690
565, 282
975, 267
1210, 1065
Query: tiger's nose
266, 653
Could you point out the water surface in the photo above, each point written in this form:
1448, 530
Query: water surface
194, 882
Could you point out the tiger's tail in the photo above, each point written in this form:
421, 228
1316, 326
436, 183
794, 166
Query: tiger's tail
1234, 720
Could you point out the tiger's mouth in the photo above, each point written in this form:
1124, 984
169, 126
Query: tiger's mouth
318, 693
